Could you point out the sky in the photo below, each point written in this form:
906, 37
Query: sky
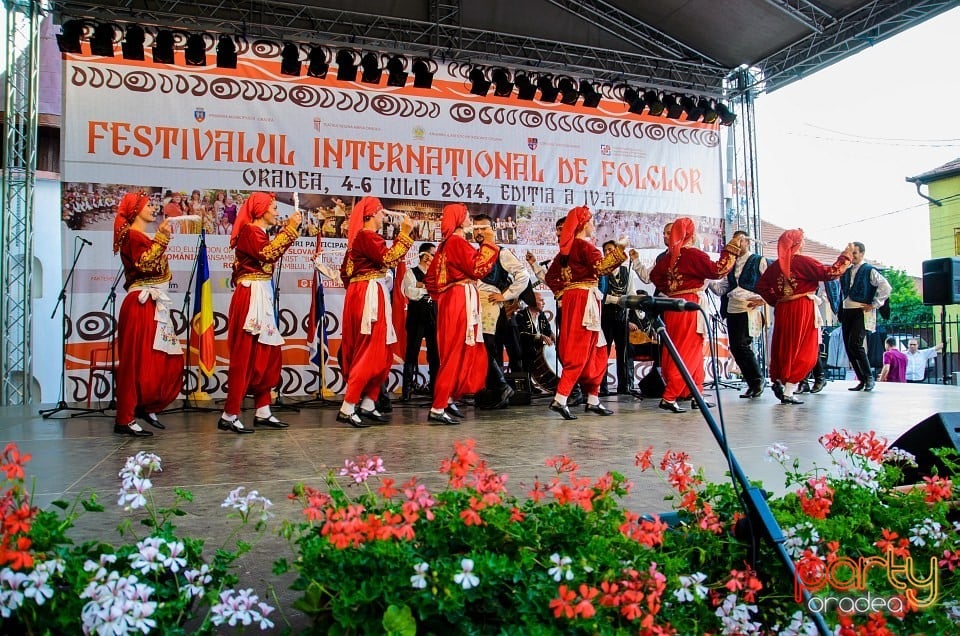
834, 149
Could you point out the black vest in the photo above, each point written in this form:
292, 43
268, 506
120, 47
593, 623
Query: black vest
748, 279
498, 277
424, 306
860, 290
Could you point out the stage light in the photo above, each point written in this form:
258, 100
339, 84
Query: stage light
290, 60
591, 98
68, 40
568, 92
396, 71
691, 106
226, 52
634, 101
195, 53
710, 113
346, 65
132, 46
163, 47
727, 116
371, 69
526, 89
502, 84
548, 92
423, 70
480, 85
102, 41
673, 106
319, 62
654, 102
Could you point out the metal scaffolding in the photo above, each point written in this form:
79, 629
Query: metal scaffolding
16, 216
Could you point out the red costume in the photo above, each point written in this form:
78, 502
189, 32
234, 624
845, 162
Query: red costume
573, 277
682, 273
254, 342
149, 357
451, 281
789, 285
365, 352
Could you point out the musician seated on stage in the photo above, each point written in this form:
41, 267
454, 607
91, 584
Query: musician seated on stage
535, 333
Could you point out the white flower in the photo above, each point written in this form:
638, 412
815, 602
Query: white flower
245, 503
196, 580
11, 596
243, 607
799, 538
118, 605
952, 609
898, 455
175, 562
799, 626
735, 617
148, 558
561, 568
419, 580
37, 581
778, 453
466, 578
929, 530
684, 595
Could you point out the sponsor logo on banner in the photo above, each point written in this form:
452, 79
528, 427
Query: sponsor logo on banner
199, 114
317, 124
605, 150
304, 283
419, 133
532, 143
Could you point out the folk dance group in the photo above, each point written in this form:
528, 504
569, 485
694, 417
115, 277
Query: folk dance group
452, 277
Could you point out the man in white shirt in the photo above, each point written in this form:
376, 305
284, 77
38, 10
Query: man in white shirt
917, 359
864, 290
421, 323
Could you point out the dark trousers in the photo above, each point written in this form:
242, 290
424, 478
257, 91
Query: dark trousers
421, 325
741, 346
613, 323
851, 321
494, 344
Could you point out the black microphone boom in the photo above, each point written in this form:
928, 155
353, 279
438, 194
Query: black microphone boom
85, 241
657, 303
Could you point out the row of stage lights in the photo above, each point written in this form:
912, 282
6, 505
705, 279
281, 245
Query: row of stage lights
371, 66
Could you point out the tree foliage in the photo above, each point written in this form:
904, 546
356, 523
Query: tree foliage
906, 304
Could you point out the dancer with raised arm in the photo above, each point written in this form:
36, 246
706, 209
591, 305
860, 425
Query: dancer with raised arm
368, 332
252, 332
149, 355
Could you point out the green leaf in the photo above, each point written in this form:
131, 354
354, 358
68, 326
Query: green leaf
90, 505
399, 621
61, 504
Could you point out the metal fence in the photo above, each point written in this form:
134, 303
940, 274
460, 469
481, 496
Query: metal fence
941, 370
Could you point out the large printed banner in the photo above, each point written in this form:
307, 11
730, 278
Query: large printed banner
201, 139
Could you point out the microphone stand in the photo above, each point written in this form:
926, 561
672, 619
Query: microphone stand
185, 405
718, 325
761, 523
62, 306
112, 301
278, 403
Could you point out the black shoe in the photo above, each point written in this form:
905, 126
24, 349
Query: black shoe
442, 418
152, 420
120, 429
352, 419
673, 407
818, 385
859, 387
637, 394
604, 393
870, 384
695, 406
751, 393
777, 389
454, 411
562, 409
599, 409
236, 426
576, 398
270, 422
376, 418
790, 399
803, 387
505, 394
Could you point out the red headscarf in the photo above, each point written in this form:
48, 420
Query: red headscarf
576, 220
680, 234
252, 209
787, 245
130, 206
453, 217
362, 211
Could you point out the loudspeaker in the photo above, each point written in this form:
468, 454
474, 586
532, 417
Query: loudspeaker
941, 430
941, 281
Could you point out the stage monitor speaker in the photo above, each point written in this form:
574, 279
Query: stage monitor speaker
941, 430
941, 281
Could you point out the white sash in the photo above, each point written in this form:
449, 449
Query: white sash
164, 338
471, 301
371, 304
260, 320
591, 314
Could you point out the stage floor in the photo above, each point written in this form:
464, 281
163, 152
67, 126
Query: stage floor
77, 455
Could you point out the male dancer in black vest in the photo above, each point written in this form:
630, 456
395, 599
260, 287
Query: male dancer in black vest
740, 305
614, 319
421, 322
864, 289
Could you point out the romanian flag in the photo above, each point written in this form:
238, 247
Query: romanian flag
203, 312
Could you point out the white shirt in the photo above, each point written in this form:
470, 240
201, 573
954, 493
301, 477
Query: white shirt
917, 362
738, 298
877, 280
490, 311
409, 286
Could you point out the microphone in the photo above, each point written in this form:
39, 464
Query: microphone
657, 303
545, 263
85, 241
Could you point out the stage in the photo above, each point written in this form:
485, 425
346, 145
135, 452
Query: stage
77, 455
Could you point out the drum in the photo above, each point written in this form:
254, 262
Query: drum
547, 369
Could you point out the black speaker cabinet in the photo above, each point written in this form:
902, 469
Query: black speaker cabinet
941, 430
941, 281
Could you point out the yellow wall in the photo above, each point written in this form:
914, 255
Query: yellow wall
945, 226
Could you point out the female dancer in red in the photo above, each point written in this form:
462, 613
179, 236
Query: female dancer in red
149, 355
